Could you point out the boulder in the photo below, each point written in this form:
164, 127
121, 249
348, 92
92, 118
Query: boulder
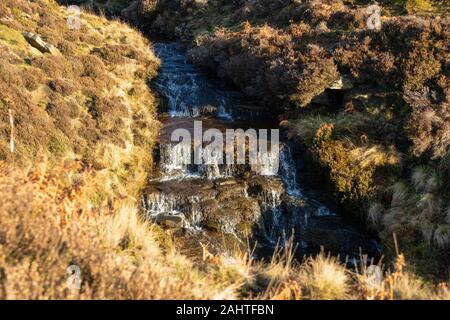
343, 83
169, 220
36, 42
336, 236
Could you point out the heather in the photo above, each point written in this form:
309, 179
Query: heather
367, 111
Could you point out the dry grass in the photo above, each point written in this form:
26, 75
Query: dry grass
416, 209
47, 223
324, 278
91, 103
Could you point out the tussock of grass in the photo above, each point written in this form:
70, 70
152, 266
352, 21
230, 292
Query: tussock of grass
324, 278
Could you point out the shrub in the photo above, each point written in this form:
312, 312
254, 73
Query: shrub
54, 66
428, 126
351, 180
62, 86
265, 64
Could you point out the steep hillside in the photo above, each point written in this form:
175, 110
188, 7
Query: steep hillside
88, 100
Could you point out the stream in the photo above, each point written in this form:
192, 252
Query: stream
233, 206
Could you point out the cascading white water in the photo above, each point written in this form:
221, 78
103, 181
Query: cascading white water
196, 212
268, 164
323, 211
173, 159
189, 94
161, 204
270, 227
272, 198
288, 171
211, 162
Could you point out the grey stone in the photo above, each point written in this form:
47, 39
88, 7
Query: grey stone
343, 83
36, 42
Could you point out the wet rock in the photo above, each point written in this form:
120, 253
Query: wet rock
168, 220
222, 206
189, 188
236, 216
230, 188
268, 190
36, 42
234, 212
208, 111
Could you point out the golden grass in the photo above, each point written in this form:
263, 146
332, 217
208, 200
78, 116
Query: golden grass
80, 105
324, 278
48, 223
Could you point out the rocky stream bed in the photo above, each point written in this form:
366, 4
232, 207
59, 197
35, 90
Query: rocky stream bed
233, 206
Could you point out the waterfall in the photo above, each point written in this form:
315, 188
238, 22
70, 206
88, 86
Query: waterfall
213, 197
323, 211
288, 171
211, 161
186, 88
196, 213
161, 203
272, 198
268, 164
173, 158
272, 226
159, 206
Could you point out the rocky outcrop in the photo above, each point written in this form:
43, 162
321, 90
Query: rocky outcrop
343, 83
220, 206
36, 41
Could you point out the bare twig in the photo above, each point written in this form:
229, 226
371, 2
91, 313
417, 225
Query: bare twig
11, 122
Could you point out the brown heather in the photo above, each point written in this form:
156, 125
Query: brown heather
77, 105
90, 112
